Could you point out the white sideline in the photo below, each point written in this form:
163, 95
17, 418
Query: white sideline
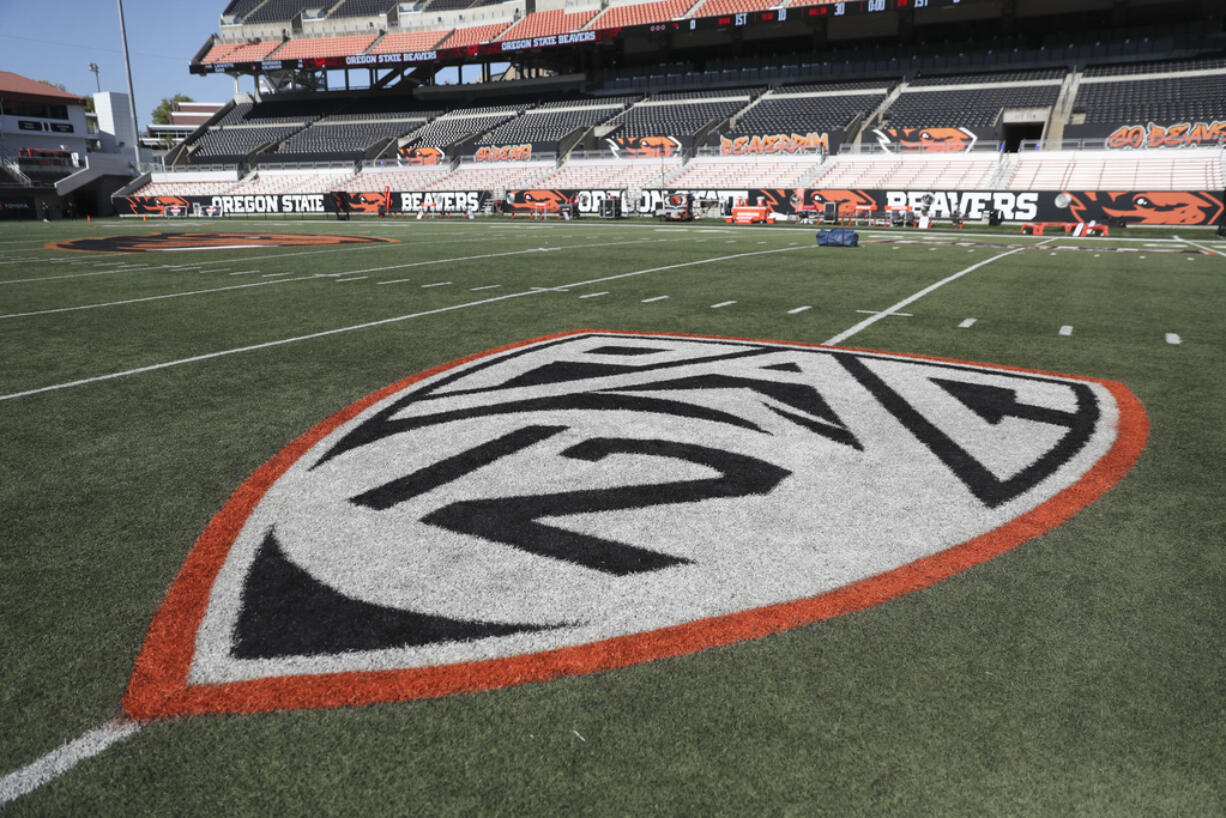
381, 322
872, 319
61, 760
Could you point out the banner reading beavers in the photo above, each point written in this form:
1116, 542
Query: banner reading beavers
775, 143
1157, 207
505, 153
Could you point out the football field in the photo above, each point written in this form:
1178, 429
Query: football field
1001, 591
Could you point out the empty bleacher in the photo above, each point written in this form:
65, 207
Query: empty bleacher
545, 23
381, 178
600, 174
971, 102
680, 114
969, 172
326, 46
636, 14
734, 172
291, 181
1161, 97
549, 124
494, 177
1183, 169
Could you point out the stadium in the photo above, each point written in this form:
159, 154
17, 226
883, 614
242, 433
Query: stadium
551, 407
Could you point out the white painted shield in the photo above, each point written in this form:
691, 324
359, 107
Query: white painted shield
595, 499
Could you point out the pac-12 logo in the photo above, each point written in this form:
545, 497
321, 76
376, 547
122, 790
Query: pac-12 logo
594, 499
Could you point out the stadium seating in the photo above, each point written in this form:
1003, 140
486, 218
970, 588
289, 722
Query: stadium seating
279, 10
326, 47
240, 52
459, 125
291, 181
376, 179
548, 125
361, 8
1170, 98
791, 111
473, 35
636, 14
632, 174
734, 172
931, 102
496, 178
1184, 169
234, 144
970, 172
713, 7
337, 140
400, 41
545, 23
680, 114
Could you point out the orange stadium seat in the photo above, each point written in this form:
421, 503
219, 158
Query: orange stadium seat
401, 41
240, 52
326, 47
713, 7
474, 35
545, 23
641, 13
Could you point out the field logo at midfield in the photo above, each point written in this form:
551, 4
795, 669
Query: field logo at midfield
594, 500
175, 242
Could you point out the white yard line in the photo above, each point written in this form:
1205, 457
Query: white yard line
486, 287
1173, 338
911, 299
370, 324
656, 298
1066, 330
1203, 248
722, 304
154, 298
394, 281
61, 760
799, 309
970, 322
357, 278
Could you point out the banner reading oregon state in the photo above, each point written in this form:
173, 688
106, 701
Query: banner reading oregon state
1142, 207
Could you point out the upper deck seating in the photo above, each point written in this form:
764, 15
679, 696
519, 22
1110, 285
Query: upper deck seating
546, 23
326, 47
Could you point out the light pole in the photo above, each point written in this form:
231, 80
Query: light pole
123, 35
93, 66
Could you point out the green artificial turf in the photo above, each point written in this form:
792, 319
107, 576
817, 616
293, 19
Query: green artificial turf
1078, 674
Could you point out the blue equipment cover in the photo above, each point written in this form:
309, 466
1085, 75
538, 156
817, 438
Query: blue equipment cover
838, 237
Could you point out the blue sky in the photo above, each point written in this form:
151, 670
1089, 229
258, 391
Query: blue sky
162, 37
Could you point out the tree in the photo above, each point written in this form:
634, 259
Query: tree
161, 114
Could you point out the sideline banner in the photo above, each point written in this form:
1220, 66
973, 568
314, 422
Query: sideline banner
1150, 207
